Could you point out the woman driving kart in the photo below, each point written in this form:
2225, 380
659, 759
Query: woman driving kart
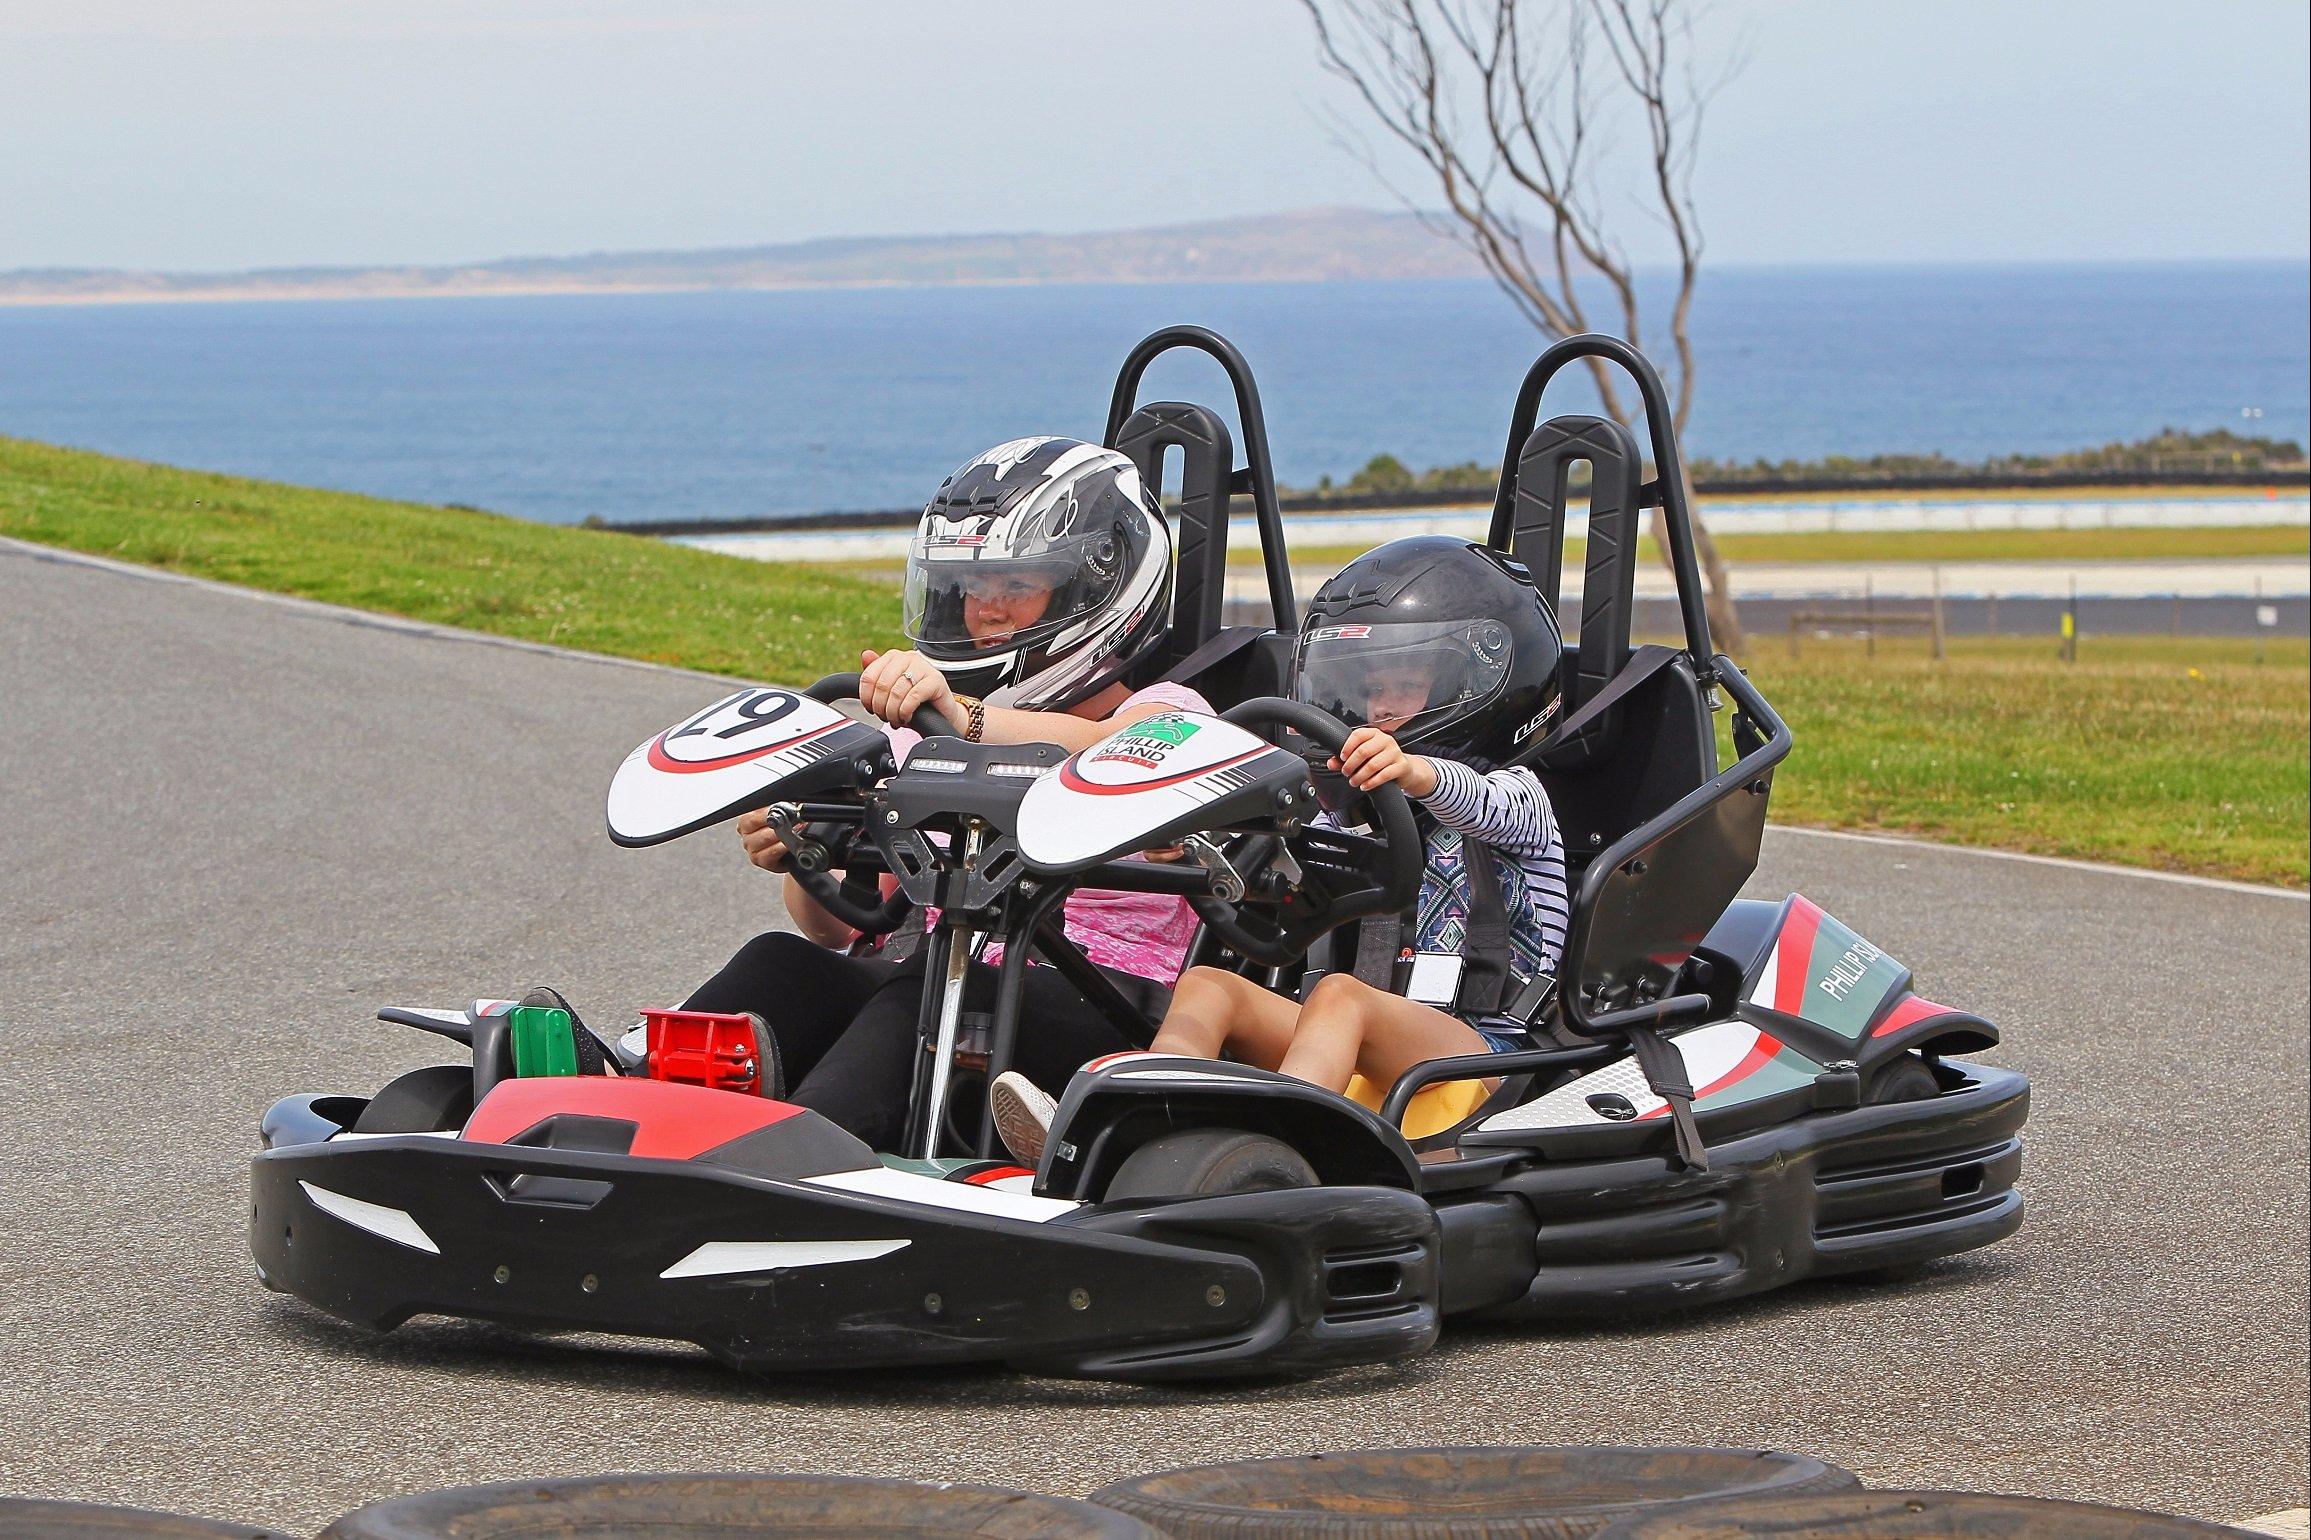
1040, 573
1444, 658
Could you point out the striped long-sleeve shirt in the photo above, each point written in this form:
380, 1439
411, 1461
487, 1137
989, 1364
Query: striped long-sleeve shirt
1510, 813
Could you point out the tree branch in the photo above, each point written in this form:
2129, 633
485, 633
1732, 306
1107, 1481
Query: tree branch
1509, 120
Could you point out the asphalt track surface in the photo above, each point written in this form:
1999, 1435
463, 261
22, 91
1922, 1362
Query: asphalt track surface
230, 828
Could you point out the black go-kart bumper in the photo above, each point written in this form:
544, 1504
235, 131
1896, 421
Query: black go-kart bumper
1865, 1189
1262, 1283
1275, 1282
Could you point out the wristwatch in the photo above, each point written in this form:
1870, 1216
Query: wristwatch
975, 712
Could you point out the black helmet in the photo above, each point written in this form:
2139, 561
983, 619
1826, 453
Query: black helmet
1445, 643
1066, 525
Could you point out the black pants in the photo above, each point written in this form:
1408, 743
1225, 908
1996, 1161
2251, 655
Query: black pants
847, 1027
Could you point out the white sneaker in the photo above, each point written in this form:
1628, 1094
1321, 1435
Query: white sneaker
1022, 1111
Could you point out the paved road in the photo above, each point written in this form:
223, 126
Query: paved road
230, 827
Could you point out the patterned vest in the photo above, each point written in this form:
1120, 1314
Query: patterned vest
1440, 922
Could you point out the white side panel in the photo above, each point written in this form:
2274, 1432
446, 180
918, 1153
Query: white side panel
1107, 799
392, 1224
1711, 1053
907, 1187
741, 745
717, 1259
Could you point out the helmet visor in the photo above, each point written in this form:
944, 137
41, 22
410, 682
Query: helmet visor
964, 596
1411, 680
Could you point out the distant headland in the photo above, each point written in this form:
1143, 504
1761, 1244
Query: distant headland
1307, 245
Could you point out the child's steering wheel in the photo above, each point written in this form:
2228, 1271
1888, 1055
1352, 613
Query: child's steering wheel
1342, 877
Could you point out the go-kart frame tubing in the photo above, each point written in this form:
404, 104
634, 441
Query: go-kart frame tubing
1277, 1282
1258, 476
1667, 490
1029, 924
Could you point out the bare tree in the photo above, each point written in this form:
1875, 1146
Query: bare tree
1509, 105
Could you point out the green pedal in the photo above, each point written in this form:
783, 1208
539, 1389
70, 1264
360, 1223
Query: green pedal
544, 1041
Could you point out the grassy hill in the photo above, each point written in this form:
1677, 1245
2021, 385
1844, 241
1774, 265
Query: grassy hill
2183, 755
542, 583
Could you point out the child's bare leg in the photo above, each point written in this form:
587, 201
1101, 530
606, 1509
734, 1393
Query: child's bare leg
1213, 1009
1348, 1027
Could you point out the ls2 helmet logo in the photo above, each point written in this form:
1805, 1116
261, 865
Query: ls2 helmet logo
1541, 719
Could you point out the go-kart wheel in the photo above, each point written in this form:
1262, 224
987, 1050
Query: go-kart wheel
1207, 1162
424, 1101
1903, 1078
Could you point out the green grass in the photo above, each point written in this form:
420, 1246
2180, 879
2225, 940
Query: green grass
2183, 755
580, 588
1924, 545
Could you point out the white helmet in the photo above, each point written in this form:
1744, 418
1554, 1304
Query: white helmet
1041, 571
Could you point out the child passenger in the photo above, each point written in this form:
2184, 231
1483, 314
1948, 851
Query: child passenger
1444, 658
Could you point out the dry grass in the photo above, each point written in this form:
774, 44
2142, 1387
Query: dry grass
574, 587
2183, 755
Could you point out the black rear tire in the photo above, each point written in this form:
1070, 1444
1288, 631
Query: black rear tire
424, 1101
1903, 1078
1207, 1162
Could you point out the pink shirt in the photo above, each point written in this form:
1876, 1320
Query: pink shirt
1146, 934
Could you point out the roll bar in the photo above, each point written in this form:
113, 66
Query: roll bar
1258, 474
1666, 491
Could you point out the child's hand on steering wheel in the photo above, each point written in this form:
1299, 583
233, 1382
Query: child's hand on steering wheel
1371, 758
896, 685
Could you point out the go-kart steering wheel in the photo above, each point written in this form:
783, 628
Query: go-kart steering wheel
1279, 936
835, 688
810, 869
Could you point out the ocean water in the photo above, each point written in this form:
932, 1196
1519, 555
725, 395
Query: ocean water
737, 405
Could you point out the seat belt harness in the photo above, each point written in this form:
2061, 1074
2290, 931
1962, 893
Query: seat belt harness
1666, 1076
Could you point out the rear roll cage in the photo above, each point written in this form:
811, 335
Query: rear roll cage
1209, 477
1666, 491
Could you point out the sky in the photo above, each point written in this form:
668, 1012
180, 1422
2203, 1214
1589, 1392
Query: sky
243, 133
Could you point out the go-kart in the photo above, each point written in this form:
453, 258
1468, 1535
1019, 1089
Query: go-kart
1724, 1095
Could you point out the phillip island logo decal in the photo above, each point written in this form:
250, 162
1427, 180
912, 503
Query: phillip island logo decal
1147, 741
1848, 968
1169, 748
1172, 730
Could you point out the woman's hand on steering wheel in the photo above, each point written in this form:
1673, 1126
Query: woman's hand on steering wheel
763, 846
896, 685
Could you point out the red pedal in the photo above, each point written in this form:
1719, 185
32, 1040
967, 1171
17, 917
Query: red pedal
703, 1048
